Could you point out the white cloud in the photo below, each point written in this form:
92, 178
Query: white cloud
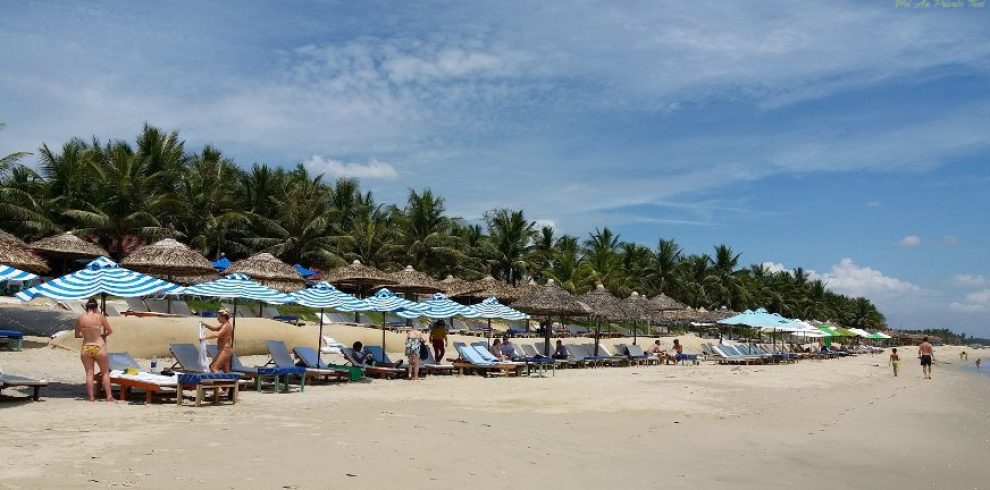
848, 278
775, 267
976, 302
910, 241
950, 240
970, 280
335, 168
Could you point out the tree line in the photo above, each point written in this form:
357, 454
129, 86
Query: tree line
124, 194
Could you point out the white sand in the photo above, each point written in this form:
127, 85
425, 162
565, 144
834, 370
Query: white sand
837, 423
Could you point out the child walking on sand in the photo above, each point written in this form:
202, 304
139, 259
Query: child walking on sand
895, 360
977, 363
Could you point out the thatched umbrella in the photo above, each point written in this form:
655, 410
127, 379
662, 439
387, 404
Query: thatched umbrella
453, 286
551, 300
357, 274
639, 310
411, 281
15, 253
169, 258
605, 307
268, 270
490, 287
68, 246
662, 302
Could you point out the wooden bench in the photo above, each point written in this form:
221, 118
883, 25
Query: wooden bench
14, 337
11, 381
210, 384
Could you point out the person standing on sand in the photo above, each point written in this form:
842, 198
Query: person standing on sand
414, 339
977, 363
895, 360
94, 329
438, 337
225, 342
927, 354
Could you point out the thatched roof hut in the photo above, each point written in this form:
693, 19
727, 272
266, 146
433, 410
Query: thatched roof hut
410, 280
604, 305
168, 258
15, 253
638, 307
68, 246
357, 274
267, 269
551, 300
662, 302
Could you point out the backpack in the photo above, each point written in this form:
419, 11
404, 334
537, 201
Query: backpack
424, 351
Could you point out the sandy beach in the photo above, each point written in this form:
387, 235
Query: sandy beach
813, 424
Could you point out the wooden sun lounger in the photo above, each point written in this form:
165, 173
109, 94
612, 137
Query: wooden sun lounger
12, 381
380, 372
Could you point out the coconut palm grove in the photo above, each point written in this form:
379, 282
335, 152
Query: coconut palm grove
122, 194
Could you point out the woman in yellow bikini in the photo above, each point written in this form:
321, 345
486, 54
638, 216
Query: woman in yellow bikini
94, 328
225, 345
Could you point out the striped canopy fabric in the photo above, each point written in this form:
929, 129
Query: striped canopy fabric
760, 318
237, 286
324, 295
101, 276
8, 273
385, 300
440, 306
492, 309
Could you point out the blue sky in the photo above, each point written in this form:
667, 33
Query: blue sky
849, 138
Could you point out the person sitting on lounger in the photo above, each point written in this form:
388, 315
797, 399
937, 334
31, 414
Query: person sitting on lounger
507, 349
225, 345
94, 329
657, 350
496, 349
360, 355
678, 349
561, 351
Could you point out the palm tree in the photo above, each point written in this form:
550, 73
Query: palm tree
726, 285
511, 236
663, 273
8, 162
601, 254
567, 266
211, 218
424, 232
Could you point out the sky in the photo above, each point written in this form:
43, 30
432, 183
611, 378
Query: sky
846, 137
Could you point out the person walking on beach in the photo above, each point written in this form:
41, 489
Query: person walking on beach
963, 356
978, 363
895, 360
414, 339
438, 337
94, 329
927, 354
225, 342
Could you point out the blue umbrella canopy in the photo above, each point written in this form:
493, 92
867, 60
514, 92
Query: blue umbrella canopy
100, 277
491, 308
221, 264
303, 271
324, 295
440, 306
237, 286
760, 318
384, 300
8, 273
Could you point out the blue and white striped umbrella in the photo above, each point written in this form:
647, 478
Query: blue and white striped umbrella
491, 308
237, 286
324, 295
101, 276
384, 301
8, 273
440, 306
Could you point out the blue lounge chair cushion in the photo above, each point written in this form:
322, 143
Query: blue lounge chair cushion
11, 334
198, 378
471, 355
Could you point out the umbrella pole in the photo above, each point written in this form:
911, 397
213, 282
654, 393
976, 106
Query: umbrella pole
384, 323
233, 325
319, 339
635, 329
103, 303
168, 299
546, 334
489, 333
598, 330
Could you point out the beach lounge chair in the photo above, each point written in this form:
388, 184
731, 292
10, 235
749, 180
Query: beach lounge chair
580, 353
12, 381
535, 352
13, 337
487, 355
243, 310
381, 372
730, 355
153, 383
434, 367
380, 357
577, 330
636, 352
260, 373
470, 360
281, 357
186, 358
310, 359
611, 358
272, 313
161, 307
136, 305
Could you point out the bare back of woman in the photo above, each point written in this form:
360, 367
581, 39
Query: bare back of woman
94, 328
